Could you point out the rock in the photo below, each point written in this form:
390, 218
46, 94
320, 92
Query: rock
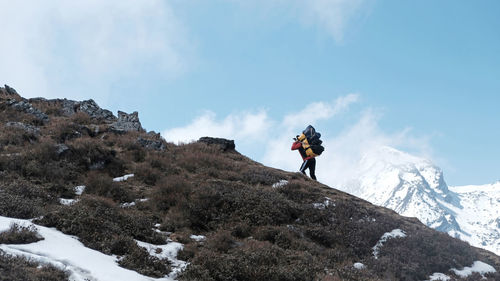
127, 122
26, 127
224, 144
70, 107
94, 111
10, 90
28, 108
61, 149
158, 144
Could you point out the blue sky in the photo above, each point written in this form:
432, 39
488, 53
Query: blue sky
423, 76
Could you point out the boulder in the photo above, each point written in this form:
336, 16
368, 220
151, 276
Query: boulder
155, 144
61, 149
28, 108
127, 122
224, 144
70, 107
26, 127
10, 90
94, 111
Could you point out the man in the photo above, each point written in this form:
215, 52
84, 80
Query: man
309, 161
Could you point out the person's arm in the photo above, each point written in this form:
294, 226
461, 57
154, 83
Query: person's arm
296, 145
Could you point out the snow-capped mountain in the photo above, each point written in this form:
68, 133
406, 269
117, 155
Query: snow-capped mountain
415, 187
480, 215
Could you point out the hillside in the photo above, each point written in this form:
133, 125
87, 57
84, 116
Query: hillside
154, 207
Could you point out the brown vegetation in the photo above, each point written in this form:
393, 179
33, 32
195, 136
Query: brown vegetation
254, 231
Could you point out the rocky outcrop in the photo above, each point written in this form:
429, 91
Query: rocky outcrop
10, 90
157, 143
35, 131
225, 144
127, 122
28, 108
71, 107
94, 111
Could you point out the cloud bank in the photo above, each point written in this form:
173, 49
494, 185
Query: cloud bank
94, 43
268, 140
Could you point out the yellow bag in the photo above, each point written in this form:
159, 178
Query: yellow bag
307, 147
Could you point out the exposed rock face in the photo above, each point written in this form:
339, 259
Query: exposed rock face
26, 127
10, 90
70, 107
157, 144
91, 108
127, 122
224, 144
28, 108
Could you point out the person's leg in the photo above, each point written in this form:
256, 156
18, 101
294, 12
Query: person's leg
303, 167
312, 168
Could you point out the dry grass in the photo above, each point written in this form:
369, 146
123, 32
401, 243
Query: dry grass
254, 231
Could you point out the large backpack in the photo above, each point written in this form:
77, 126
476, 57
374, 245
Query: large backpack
311, 141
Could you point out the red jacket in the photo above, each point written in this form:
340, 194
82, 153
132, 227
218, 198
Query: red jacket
298, 145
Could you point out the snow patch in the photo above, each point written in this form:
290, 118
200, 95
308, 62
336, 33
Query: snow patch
326, 203
279, 184
67, 202
123, 178
359, 266
478, 266
395, 233
198, 238
168, 251
79, 189
69, 254
127, 205
439, 276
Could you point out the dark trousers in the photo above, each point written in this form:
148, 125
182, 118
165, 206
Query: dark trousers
311, 165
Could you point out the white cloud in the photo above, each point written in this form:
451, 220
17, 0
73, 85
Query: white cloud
319, 111
335, 167
241, 127
333, 16
49, 43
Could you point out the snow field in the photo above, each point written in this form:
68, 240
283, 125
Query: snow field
478, 266
69, 254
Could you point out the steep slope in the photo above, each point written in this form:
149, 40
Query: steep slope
415, 187
69, 164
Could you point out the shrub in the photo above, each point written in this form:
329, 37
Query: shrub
171, 191
92, 155
103, 185
20, 234
146, 174
138, 259
99, 223
20, 269
16, 136
19, 199
254, 260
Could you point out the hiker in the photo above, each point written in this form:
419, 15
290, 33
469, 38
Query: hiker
309, 146
309, 161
